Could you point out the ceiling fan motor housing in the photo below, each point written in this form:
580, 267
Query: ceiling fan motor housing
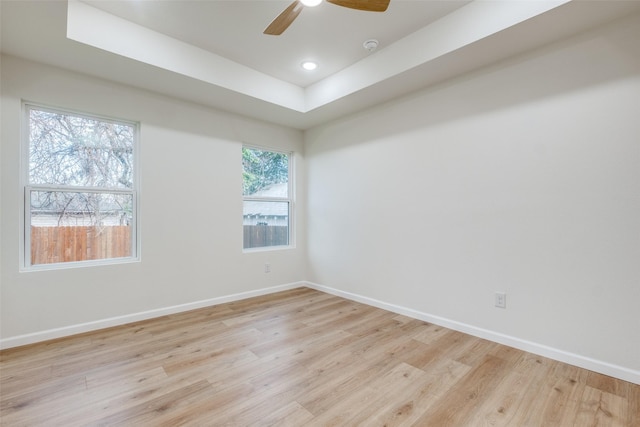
282, 21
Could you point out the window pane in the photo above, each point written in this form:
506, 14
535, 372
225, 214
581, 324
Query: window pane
264, 173
70, 150
77, 226
265, 224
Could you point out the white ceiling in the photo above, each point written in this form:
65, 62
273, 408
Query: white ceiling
214, 53
328, 34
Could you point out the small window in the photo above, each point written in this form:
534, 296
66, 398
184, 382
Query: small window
266, 198
80, 192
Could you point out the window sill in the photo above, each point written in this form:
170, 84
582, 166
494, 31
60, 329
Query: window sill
78, 264
268, 249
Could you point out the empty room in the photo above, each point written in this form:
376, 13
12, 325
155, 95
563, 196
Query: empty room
320, 213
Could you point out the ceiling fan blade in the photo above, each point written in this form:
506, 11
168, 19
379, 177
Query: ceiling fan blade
367, 5
285, 19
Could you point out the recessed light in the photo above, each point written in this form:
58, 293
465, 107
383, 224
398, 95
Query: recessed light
309, 65
311, 3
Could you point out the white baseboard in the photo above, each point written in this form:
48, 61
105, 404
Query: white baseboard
136, 317
605, 368
599, 366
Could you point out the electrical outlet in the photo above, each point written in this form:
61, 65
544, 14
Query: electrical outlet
501, 300
267, 267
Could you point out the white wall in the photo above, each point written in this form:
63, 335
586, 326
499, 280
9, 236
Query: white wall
190, 163
522, 178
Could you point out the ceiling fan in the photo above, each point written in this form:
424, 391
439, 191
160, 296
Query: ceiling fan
288, 15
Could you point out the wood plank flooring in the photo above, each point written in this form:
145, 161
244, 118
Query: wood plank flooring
299, 358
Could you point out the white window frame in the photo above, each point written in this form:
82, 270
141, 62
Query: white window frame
25, 250
289, 200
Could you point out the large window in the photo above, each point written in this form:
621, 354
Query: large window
266, 198
80, 192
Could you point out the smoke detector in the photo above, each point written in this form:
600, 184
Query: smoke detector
370, 45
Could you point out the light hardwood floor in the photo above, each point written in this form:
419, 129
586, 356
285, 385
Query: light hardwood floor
299, 358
